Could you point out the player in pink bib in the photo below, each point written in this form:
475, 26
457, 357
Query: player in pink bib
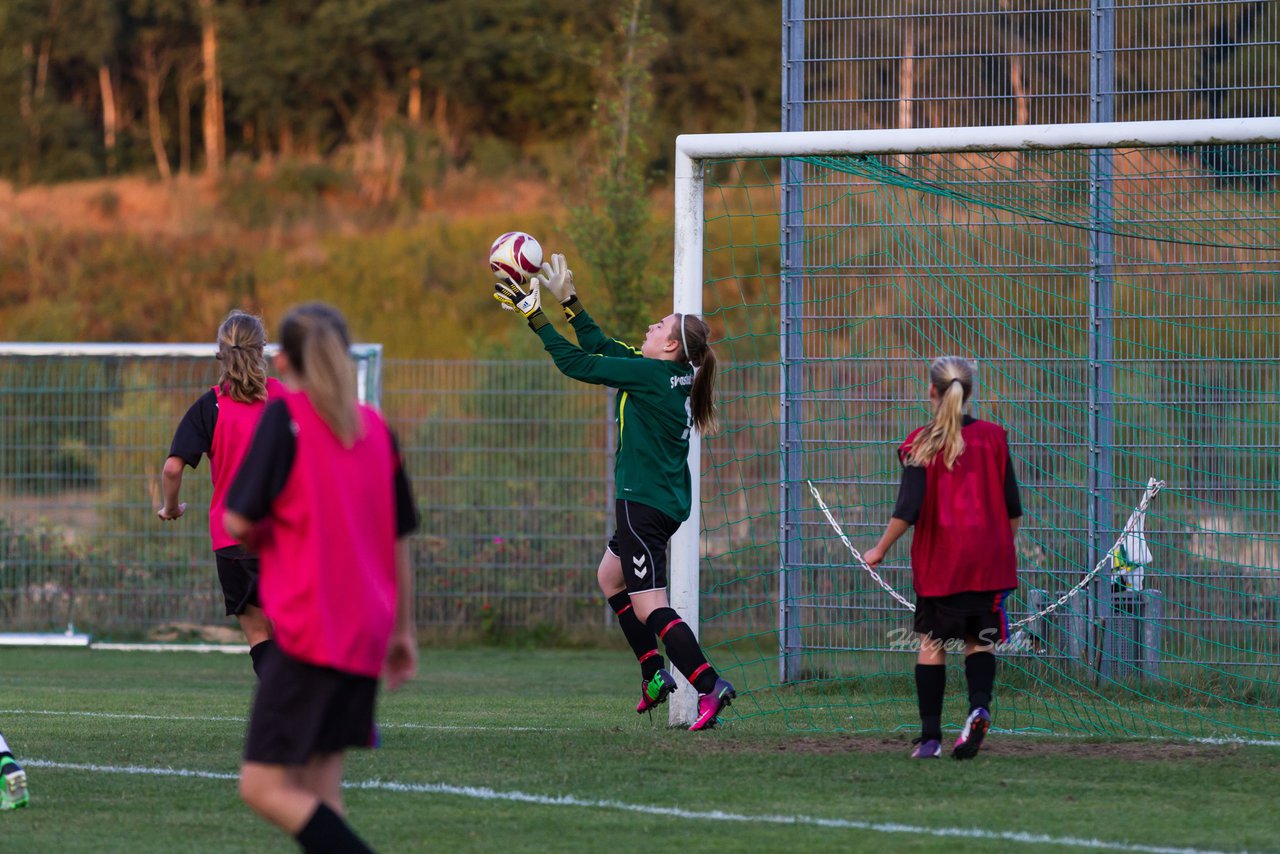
220, 425
323, 497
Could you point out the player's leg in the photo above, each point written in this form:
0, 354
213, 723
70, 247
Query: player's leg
985, 629
931, 677
271, 792
655, 682
238, 575
255, 625
303, 719
275, 793
322, 777
13, 780
642, 538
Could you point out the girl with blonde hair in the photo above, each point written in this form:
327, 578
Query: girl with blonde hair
324, 498
220, 425
959, 490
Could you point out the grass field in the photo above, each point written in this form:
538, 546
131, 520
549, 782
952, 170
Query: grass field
540, 750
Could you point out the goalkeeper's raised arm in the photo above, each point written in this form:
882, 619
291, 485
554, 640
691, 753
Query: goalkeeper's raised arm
557, 278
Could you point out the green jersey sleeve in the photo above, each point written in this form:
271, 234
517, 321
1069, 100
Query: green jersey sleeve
593, 340
629, 372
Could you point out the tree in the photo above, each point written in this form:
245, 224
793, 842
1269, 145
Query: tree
717, 68
612, 228
214, 124
165, 37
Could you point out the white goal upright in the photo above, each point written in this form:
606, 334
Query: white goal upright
1118, 285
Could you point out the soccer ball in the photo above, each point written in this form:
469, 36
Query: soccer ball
515, 256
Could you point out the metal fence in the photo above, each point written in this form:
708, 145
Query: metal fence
1170, 333
852, 64
511, 464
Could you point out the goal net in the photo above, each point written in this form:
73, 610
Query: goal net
1118, 286
84, 431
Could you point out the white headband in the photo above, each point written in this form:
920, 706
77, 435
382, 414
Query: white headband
684, 341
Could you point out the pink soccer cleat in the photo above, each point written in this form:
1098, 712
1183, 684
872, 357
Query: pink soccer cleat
970, 740
711, 704
654, 692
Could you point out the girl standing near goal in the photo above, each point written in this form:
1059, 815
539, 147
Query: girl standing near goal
220, 425
959, 490
664, 390
323, 497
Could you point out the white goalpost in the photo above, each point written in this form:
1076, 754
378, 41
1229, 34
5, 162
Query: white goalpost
1105, 434
368, 357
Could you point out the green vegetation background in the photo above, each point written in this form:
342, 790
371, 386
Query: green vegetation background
364, 152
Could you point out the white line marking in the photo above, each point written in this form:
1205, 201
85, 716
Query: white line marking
131, 716
486, 794
228, 648
1222, 740
1158, 739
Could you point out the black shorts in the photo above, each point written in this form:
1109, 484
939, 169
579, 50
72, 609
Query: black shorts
640, 542
962, 616
301, 711
238, 573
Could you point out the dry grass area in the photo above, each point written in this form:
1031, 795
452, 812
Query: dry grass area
188, 205
130, 204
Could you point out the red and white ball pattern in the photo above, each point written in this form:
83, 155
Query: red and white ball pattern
515, 256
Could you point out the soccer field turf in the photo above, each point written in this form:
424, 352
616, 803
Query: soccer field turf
540, 750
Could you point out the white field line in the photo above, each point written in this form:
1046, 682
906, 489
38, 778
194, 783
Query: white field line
486, 794
1220, 740
243, 720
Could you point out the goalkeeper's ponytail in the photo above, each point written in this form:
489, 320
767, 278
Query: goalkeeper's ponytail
314, 338
695, 347
952, 380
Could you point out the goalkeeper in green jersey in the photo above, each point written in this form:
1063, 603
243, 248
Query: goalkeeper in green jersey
665, 389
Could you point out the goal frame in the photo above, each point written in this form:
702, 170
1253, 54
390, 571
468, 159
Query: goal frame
693, 150
368, 357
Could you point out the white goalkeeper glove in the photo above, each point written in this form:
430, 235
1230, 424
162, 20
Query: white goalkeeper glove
558, 278
524, 299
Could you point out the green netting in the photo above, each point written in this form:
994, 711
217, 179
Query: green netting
1123, 307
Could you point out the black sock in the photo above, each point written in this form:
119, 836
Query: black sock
326, 832
257, 651
980, 673
931, 685
642, 639
683, 649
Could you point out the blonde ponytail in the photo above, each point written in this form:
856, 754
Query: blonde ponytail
315, 340
952, 379
241, 340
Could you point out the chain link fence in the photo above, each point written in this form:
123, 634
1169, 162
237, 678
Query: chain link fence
511, 465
